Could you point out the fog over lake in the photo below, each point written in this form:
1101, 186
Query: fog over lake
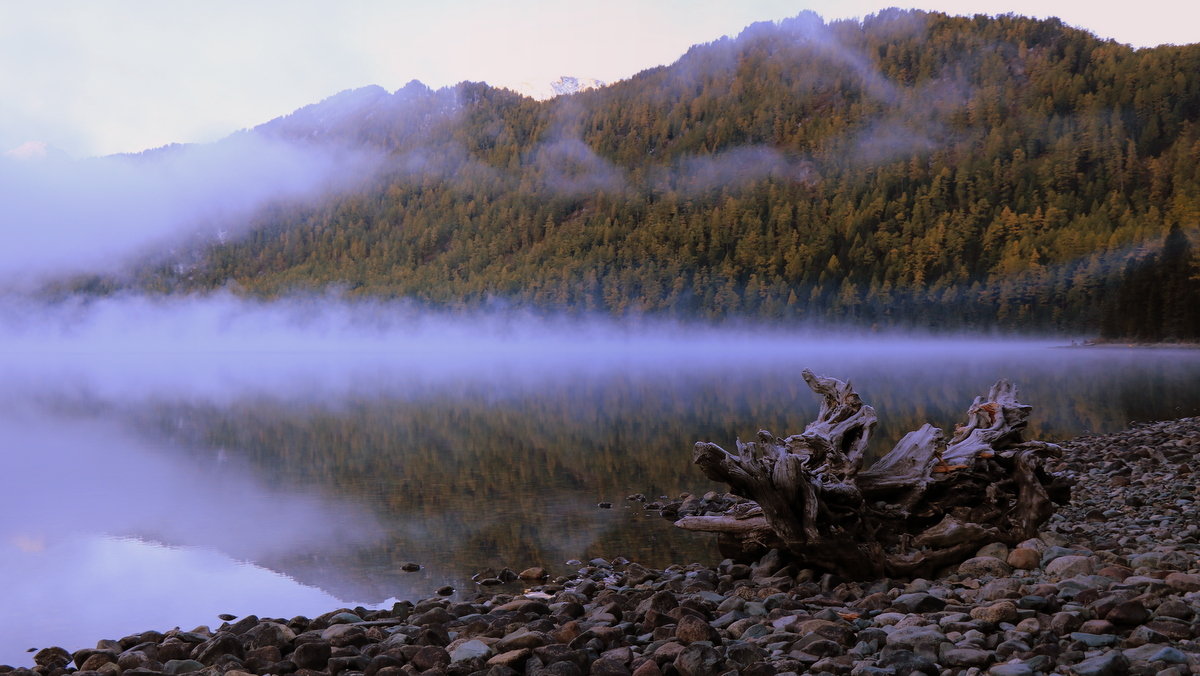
168, 460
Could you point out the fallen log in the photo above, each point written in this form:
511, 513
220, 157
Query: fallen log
926, 504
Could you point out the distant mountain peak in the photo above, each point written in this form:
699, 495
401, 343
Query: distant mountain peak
563, 86
568, 84
34, 151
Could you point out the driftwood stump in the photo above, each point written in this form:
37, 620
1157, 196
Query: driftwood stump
926, 504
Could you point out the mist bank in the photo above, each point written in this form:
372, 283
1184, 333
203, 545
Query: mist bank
221, 346
109, 215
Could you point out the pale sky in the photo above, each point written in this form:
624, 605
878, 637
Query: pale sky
96, 77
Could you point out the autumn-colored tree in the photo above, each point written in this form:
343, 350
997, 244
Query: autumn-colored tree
909, 168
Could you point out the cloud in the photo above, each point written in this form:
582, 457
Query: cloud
569, 167
60, 216
739, 167
890, 139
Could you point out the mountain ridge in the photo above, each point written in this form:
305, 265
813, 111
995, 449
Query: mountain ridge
913, 167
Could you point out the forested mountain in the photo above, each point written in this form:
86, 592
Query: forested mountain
909, 169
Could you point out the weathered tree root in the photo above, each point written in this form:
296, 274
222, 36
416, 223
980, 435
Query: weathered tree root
925, 505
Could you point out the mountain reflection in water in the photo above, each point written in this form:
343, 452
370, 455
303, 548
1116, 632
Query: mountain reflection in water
159, 489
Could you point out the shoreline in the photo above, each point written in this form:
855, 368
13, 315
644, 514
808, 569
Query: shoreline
1096, 343
1110, 586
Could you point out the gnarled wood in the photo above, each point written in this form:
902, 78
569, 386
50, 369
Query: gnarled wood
923, 505
994, 422
726, 524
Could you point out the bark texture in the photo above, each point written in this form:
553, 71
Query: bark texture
926, 504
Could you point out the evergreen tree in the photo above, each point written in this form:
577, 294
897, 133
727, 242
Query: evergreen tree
911, 168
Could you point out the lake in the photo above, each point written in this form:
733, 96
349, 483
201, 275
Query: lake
167, 461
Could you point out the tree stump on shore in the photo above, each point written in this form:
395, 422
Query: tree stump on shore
926, 504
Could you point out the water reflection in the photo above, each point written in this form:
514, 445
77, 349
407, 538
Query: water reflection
88, 473
162, 475
105, 530
469, 475
73, 591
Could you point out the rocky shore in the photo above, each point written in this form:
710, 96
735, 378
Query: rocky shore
1111, 587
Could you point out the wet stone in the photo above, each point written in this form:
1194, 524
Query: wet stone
1183, 582
1093, 640
698, 659
243, 625
222, 644
345, 618
918, 602
981, 566
430, 657
1111, 663
1156, 653
266, 634
1055, 552
650, 668
913, 636
175, 667
609, 667
966, 657
52, 658
311, 655
908, 662
1129, 613
96, 660
1011, 669
1175, 631
1174, 608
691, 629
1069, 566
1097, 627
533, 573
510, 659
1003, 611
1143, 635
821, 647
1066, 622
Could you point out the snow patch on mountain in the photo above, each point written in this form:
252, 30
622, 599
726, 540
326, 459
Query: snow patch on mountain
33, 151
563, 86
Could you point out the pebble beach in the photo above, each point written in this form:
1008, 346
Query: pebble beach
1110, 586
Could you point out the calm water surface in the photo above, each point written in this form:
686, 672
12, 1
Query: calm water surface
156, 476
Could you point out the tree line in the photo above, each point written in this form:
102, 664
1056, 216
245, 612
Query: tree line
909, 169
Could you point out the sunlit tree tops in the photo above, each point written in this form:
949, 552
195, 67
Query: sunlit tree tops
911, 168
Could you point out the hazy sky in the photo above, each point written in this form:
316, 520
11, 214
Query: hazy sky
124, 75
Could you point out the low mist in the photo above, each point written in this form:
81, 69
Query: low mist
64, 217
221, 347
